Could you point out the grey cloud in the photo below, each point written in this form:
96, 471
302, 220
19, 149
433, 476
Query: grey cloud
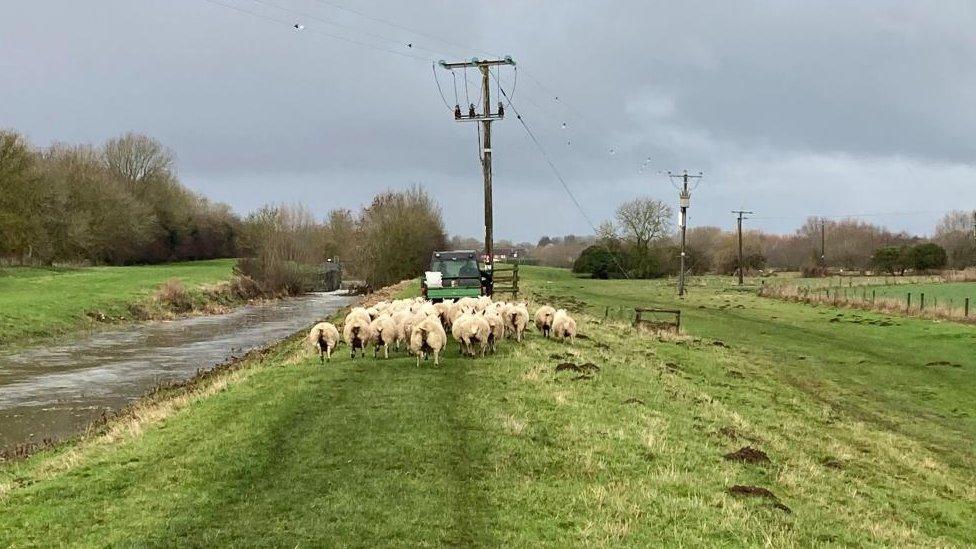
792, 107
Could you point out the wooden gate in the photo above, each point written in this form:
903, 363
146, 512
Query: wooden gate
505, 279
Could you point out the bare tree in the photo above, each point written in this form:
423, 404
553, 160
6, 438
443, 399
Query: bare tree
954, 233
644, 220
137, 158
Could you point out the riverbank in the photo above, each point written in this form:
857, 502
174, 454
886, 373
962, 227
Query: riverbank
38, 305
767, 424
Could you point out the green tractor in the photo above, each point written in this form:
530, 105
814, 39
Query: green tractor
455, 274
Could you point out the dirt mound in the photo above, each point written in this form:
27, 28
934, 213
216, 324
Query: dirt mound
758, 492
586, 368
832, 463
748, 454
944, 363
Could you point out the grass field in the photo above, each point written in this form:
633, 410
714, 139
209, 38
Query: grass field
941, 294
38, 302
868, 423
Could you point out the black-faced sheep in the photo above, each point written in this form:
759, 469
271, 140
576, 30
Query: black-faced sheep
356, 333
323, 337
471, 332
563, 325
543, 319
383, 333
428, 337
516, 318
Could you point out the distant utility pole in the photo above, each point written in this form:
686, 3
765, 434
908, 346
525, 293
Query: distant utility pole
486, 117
974, 226
684, 200
740, 218
823, 243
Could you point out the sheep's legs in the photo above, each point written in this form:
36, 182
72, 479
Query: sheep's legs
436, 358
386, 351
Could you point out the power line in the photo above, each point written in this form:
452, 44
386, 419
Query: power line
315, 31
556, 172
852, 215
342, 26
399, 26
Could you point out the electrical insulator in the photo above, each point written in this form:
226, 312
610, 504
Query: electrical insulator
471, 111
501, 110
457, 112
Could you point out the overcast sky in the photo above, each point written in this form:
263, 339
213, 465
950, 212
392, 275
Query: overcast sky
789, 108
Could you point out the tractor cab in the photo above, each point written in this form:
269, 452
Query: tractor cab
455, 274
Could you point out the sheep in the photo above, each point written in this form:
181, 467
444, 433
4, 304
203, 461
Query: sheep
359, 312
543, 319
426, 337
399, 317
405, 326
471, 330
383, 333
444, 309
516, 317
356, 332
497, 328
324, 337
563, 325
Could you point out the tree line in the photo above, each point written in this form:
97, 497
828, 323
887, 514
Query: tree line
121, 203
118, 203
640, 242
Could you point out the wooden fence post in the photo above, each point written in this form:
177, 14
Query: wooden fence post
967, 307
909, 306
921, 301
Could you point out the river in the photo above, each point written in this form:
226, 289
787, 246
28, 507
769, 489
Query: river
56, 390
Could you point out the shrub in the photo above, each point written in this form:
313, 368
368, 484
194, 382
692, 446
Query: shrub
244, 287
600, 262
927, 256
173, 296
400, 230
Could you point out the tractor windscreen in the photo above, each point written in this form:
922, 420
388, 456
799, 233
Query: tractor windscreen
456, 268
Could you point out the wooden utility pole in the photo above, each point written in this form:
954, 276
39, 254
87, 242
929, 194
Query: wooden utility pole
486, 117
740, 218
823, 243
684, 201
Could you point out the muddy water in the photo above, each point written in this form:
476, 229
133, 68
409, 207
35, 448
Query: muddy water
57, 390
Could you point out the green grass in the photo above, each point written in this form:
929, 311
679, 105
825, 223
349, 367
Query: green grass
954, 293
41, 303
868, 444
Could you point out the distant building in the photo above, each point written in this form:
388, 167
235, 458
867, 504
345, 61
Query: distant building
505, 254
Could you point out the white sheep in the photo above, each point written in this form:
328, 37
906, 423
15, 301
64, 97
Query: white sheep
324, 337
359, 312
543, 319
496, 325
428, 337
470, 331
356, 333
563, 325
516, 318
383, 334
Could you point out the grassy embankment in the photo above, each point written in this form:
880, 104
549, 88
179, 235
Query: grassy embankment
867, 421
41, 303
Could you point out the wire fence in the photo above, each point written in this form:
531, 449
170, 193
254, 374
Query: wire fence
880, 299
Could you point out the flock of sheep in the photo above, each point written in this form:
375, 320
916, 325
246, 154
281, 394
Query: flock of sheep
478, 324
